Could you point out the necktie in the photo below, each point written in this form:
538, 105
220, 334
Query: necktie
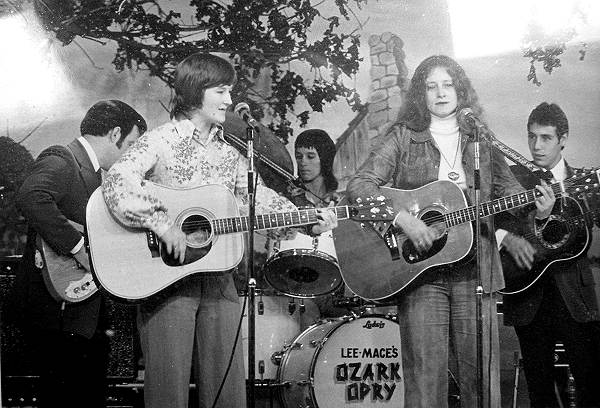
546, 175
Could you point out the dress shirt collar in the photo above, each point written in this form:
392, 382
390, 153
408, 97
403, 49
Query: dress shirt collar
559, 172
90, 152
186, 128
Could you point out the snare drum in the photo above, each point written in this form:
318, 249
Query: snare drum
344, 362
276, 328
303, 267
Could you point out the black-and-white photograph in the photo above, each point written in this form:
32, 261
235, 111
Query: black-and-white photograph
299, 203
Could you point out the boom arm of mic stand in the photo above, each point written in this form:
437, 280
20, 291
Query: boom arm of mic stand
240, 144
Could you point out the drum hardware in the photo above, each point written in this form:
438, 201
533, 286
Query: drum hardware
261, 306
318, 343
276, 328
292, 306
277, 356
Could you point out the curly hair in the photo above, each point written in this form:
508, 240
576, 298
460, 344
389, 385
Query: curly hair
193, 76
322, 143
415, 113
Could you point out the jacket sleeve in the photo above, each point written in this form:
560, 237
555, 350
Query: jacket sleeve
378, 168
39, 197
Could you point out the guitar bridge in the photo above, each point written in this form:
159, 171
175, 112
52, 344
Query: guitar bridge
392, 244
153, 244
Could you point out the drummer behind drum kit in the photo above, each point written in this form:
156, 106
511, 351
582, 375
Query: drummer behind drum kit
352, 359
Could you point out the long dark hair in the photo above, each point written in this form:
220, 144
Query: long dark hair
193, 76
415, 113
322, 143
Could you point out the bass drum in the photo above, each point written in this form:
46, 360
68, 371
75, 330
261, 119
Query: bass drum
281, 321
344, 362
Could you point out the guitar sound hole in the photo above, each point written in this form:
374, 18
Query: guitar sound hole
198, 231
433, 219
554, 232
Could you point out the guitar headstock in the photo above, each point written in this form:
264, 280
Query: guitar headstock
371, 208
584, 183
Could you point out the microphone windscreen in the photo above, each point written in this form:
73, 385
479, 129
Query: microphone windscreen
240, 107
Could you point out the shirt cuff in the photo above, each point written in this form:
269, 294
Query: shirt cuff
500, 235
77, 247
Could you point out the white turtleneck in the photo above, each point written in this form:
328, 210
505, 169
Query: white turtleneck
447, 138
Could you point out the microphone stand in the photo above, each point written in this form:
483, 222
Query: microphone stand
479, 288
251, 274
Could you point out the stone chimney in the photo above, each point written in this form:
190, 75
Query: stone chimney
389, 82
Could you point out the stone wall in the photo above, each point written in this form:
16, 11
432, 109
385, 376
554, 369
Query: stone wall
388, 82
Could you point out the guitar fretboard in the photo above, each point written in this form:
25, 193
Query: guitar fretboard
274, 220
499, 205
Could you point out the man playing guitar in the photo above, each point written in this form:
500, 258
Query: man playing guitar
70, 343
562, 304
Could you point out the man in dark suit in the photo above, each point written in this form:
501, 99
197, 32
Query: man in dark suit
69, 338
562, 305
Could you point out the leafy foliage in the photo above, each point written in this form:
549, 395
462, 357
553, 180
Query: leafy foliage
258, 36
547, 49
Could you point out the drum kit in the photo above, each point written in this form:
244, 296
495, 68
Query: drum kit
311, 361
307, 360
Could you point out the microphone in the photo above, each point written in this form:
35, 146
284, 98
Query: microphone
467, 119
243, 111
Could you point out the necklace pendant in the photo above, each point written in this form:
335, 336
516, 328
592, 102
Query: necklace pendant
453, 175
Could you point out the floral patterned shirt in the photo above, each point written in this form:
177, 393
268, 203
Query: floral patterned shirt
176, 155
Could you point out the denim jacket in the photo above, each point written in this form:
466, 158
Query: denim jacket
409, 159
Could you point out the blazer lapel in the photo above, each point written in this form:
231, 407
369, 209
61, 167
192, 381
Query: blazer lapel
90, 178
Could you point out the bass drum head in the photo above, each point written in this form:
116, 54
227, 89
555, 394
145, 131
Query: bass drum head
345, 362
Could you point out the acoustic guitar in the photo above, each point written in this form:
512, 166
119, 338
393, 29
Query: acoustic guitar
132, 264
377, 260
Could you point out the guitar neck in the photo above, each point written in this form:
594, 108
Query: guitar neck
274, 220
499, 205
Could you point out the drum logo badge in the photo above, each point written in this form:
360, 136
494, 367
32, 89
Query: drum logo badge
374, 324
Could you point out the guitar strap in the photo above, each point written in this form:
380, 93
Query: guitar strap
517, 157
